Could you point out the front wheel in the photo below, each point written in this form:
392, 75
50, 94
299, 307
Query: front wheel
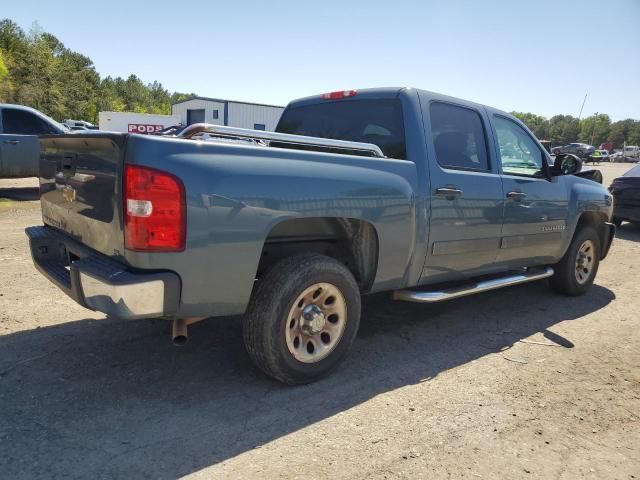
575, 273
302, 318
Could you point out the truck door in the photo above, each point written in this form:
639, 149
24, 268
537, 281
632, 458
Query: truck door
466, 193
536, 207
19, 147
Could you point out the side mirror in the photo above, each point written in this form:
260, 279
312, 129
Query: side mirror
567, 164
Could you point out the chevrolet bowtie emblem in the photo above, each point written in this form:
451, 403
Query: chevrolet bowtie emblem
69, 193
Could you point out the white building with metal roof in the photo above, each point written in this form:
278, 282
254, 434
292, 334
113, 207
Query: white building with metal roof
256, 116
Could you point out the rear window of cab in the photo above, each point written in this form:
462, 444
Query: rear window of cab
377, 121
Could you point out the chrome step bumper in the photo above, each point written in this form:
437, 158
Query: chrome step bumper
431, 296
100, 283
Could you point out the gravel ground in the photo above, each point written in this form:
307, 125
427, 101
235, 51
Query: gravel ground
518, 383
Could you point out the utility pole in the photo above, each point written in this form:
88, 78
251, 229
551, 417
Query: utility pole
593, 131
585, 99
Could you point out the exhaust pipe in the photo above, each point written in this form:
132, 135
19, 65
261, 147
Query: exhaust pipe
179, 332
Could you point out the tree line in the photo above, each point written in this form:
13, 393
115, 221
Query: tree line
37, 70
594, 130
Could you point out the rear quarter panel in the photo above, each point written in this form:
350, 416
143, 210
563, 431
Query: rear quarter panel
236, 194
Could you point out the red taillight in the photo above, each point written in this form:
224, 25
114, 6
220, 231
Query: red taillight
338, 95
155, 216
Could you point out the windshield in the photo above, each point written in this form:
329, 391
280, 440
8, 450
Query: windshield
377, 121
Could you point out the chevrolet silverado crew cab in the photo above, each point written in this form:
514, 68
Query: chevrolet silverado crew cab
401, 190
19, 147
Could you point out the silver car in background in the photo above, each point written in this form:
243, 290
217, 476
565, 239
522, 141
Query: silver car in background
579, 149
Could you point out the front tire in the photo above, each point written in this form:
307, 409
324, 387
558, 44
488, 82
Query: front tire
575, 273
302, 318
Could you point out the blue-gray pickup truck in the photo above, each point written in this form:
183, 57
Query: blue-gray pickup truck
401, 190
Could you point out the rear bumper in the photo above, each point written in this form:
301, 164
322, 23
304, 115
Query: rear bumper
100, 283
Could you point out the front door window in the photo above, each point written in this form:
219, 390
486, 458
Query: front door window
519, 153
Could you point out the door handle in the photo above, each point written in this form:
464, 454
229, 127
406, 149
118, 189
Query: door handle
448, 192
516, 196
11, 142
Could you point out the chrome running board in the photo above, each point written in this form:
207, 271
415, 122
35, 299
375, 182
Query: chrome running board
431, 296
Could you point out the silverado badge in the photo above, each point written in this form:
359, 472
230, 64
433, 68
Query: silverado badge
554, 228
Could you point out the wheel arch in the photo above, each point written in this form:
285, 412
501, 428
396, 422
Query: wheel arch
353, 242
597, 220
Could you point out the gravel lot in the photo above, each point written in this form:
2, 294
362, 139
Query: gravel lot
518, 383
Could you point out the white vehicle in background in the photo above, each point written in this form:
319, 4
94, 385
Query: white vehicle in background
631, 153
616, 157
80, 125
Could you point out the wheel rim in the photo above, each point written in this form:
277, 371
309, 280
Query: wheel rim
316, 322
585, 261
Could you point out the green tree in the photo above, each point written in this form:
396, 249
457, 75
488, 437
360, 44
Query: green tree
537, 124
39, 86
595, 129
620, 132
81, 83
563, 129
181, 97
3, 69
5, 81
634, 134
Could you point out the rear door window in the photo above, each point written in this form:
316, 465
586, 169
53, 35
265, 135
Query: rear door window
458, 137
377, 121
21, 122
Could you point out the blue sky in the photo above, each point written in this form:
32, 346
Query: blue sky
538, 56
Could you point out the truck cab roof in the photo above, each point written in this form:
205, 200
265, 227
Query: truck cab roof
393, 92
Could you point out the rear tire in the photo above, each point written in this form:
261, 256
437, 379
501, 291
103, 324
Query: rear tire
302, 319
575, 273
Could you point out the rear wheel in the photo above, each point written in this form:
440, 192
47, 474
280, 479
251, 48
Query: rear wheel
574, 274
302, 318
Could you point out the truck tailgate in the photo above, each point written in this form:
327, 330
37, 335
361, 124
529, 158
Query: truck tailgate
80, 188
